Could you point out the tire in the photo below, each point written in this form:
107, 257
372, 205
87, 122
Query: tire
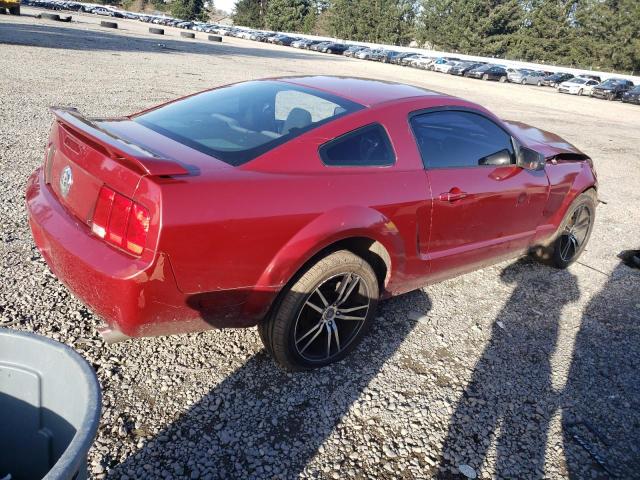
562, 251
539, 83
523, 82
580, 92
187, 35
215, 38
50, 16
295, 332
157, 31
485, 77
329, 50
106, 24
503, 79
14, 10
611, 97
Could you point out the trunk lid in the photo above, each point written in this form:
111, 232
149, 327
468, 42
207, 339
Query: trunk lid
83, 156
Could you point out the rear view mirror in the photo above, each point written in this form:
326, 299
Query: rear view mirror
500, 159
530, 159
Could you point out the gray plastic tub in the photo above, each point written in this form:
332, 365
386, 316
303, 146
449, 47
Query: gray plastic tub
49, 408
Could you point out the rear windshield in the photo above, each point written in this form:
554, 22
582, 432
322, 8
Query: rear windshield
240, 122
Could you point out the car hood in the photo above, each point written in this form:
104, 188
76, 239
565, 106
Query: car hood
547, 143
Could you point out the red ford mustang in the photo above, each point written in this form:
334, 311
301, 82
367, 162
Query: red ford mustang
295, 204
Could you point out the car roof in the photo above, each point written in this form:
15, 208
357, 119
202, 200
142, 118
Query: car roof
364, 91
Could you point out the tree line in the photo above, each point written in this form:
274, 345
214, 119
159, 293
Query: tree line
595, 34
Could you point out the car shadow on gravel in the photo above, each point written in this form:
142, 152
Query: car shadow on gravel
601, 401
50, 36
262, 422
503, 415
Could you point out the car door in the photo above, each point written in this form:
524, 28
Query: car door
484, 206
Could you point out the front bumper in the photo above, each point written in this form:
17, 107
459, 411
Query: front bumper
133, 297
601, 93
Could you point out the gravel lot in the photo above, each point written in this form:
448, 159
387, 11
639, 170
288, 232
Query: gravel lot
515, 371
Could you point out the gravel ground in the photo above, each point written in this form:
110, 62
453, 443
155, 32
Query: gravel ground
514, 371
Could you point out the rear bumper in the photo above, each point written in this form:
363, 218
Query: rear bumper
134, 298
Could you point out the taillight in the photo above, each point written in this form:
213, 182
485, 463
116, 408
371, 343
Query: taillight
120, 221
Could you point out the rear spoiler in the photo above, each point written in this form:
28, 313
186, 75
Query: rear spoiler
117, 148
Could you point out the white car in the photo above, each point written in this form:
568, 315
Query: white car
577, 86
422, 62
444, 67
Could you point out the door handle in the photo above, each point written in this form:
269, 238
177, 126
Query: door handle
452, 196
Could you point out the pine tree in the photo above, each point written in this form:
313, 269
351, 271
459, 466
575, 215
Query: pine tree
547, 32
607, 34
480, 27
249, 13
380, 21
189, 10
287, 15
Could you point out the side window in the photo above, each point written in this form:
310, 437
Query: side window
455, 139
364, 147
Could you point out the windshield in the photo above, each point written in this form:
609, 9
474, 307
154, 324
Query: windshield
240, 122
579, 80
610, 83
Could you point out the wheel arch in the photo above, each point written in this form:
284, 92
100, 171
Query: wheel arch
361, 230
371, 250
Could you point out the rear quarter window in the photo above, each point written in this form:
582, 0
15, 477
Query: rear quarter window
365, 147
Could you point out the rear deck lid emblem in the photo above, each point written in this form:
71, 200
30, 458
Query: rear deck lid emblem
66, 180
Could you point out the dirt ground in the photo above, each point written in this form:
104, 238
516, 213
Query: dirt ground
517, 370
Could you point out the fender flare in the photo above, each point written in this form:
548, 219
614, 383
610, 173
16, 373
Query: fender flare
327, 229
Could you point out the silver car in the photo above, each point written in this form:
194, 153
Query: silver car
515, 75
533, 78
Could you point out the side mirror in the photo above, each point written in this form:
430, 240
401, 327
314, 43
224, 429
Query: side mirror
530, 159
500, 159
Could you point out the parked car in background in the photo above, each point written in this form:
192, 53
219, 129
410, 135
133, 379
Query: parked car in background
488, 72
387, 56
445, 67
398, 59
335, 48
533, 77
440, 61
632, 96
463, 67
444, 187
422, 62
318, 47
285, 41
366, 53
353, 49
102, 11
382, 55
592, 77
611, 89
577, 86
515, 75
556, 79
